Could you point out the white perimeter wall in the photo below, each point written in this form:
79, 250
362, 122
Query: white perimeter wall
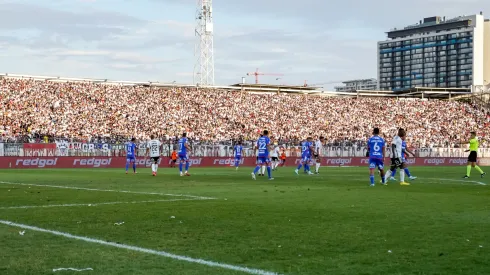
478, 50
486, 54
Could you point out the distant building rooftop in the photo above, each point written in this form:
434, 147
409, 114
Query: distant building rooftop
358, 84
359, 80
429, 24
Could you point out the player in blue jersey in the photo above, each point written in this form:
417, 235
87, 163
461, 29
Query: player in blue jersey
405, 152
184, 147
256, 148
307, 151
263, 145
376, 153
131, 155
238, 151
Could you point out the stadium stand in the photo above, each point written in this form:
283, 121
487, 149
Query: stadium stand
34, 109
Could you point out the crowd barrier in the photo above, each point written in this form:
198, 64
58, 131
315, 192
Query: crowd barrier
119, 162
77, 149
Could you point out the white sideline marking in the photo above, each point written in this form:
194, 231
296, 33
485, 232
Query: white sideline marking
471, 181
106, 190
71, 269
421, 181
143, 250
89, 204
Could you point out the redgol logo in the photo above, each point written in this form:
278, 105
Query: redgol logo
94, 162
435, 161
41, 163
226, 161
298, 161
339, 161
483, 161
458, 161
364, 161
410, 161
195, 161
191, 161
146, 162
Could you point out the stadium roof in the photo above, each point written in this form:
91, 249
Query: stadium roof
417, 92
277, 87
430, 92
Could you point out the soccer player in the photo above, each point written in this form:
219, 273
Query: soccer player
473, 157
301, 161
306, 151
131, 155
264, 145
261, 173
153, 149
283, 157
238, 151
174, 159
318, 150
405, 152
376, 153
396, 158
183, 147
275, 157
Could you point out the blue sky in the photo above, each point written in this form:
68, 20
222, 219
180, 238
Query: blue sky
153, 40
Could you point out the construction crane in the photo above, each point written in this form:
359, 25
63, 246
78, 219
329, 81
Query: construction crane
257, 73
318, 84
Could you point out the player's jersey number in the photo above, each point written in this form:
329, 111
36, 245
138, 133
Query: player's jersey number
262, 145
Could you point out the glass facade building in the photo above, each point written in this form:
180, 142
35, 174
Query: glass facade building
435, 53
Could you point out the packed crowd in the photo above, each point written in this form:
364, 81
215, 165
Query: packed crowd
82, 111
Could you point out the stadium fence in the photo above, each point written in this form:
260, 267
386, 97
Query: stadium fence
77, 149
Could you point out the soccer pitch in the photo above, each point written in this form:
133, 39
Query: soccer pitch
219, 221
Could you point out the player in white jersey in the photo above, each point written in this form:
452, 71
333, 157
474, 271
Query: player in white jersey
153, 149
275, 156
396, 157
318, 153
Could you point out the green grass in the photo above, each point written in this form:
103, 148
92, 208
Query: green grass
332, 223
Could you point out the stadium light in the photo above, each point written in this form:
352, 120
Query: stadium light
204, 47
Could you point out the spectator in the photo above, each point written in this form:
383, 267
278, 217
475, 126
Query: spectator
40, 111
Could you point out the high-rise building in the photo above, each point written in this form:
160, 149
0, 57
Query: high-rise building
436, 52
358, 84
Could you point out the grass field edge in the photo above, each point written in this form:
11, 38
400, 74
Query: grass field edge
142, 250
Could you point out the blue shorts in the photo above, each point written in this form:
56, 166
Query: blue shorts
376, 163
263, 160
238, 157
183, 158
130, 159
305, 159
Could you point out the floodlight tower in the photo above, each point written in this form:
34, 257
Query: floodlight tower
204, 52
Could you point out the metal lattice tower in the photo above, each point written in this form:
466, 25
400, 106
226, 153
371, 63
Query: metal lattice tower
204, 52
